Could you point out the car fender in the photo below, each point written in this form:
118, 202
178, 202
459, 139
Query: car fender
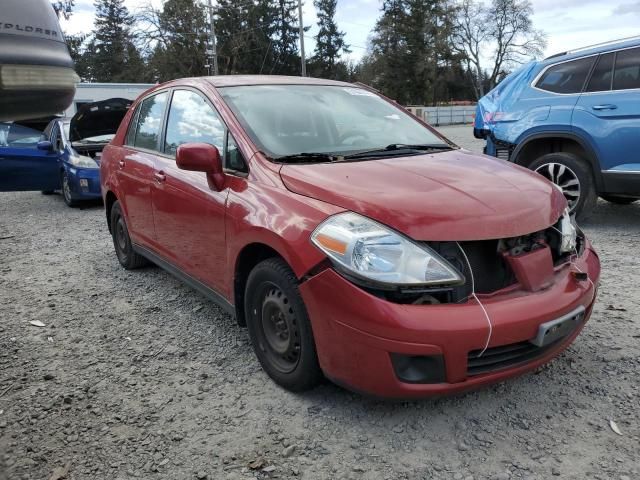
259, 213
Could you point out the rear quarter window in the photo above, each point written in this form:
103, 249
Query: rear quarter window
567, 77
627, 71
150, 118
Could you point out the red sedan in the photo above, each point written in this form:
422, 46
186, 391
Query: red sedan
353, 240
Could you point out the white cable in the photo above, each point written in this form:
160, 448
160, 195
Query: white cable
473, 294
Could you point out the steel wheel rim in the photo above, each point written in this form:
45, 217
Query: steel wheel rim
565, 178
66, 189
278, 329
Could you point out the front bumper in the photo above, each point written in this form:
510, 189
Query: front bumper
357, 333
84, 183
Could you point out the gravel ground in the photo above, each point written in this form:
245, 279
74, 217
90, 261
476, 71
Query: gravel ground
135, 375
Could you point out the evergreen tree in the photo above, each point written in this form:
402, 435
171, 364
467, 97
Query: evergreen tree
243, 32
286, 31
180, 30
111, 55
330, 43
411, 57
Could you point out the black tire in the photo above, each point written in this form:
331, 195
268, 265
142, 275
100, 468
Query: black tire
618, 200
573, 166
66, 190
127, 257
279, 326
47, 192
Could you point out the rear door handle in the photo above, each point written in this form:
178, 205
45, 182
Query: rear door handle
605, 107
160, 177
121, 163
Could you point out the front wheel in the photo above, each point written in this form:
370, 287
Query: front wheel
279, 326
573, 176
66, 190
618, 200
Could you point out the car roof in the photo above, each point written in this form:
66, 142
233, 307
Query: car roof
238, 80
592, 50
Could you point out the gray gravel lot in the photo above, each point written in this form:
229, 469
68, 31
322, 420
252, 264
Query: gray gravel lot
137, 376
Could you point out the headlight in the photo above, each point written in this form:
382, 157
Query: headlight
371, 251
569, 232
83, 161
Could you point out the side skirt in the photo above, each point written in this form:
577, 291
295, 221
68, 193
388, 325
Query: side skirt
188, 279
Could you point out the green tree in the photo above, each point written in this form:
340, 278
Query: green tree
330, 44
286, 33
411, 57
177, 38
111, 54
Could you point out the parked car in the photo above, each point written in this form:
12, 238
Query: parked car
575, 119
352, 239
66, 156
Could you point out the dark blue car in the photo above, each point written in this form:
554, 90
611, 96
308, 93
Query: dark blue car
575, 119
65, 157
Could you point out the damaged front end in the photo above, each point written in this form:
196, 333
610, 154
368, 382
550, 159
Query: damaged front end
489, 267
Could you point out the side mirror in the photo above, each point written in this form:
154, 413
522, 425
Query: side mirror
45, 145
202, 157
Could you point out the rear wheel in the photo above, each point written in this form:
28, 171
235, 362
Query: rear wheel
618, 200
127, 257
279, 326
573, 176
66, 190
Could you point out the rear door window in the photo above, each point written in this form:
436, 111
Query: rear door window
16, 136
627, 72
602, 74
192, 120
567, 77
150, 120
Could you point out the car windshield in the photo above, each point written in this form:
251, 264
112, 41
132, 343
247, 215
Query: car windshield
285, 120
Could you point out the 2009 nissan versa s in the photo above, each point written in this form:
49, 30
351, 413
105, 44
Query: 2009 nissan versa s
353, 240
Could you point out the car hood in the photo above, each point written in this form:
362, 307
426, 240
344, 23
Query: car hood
98, 118
454, 195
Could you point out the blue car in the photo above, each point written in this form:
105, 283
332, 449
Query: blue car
575, 119
65, 157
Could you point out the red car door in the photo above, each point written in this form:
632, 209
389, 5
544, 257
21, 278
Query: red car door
136, 168
189, 216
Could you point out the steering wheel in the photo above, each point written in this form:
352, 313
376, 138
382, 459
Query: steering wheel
353, 133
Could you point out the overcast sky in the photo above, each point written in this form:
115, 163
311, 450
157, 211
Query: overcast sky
568, 23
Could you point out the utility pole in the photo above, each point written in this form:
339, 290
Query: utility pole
302, 59
212, 53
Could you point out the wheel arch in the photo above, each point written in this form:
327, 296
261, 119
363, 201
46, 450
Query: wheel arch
248, 257
535, 145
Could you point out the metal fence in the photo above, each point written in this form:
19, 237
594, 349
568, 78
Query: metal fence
444, 115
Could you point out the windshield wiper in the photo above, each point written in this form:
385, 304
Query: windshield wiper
398, 149
306, 157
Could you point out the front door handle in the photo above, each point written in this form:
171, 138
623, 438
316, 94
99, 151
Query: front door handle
121, 163
160, 177
608, 106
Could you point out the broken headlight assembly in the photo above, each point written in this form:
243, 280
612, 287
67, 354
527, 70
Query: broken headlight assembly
569, 233
374, 255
